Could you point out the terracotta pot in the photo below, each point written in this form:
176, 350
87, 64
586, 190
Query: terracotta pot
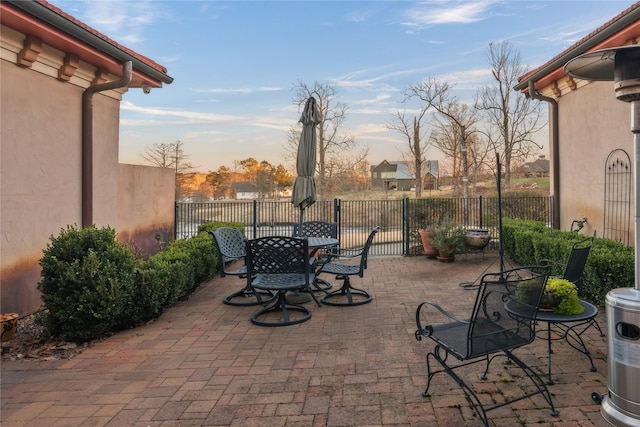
447, 255
428, 250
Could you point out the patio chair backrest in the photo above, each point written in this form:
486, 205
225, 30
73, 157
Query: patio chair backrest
316, 229
230, 245
367, 247
494, 326
278, 255
577, 261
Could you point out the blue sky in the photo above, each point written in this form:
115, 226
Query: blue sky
235, 63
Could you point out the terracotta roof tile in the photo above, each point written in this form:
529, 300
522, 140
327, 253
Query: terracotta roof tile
93, 31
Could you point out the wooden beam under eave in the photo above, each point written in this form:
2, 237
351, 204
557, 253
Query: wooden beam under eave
68, 69
100, 76
556, 90
31, 48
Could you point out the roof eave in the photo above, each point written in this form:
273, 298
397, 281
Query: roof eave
592, 42
41, 12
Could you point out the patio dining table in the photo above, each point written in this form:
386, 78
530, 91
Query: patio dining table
315, 244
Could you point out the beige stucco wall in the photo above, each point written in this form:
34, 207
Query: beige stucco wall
592, 123
40, 168
146, 206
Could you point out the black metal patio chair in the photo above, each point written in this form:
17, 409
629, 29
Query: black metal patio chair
572, 327
319, 229
230, 245
499, 324
279, 264
342, 265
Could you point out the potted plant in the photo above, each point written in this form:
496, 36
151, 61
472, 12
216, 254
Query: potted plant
562, 296
448, 239
428, 249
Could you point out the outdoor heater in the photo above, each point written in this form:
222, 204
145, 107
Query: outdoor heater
621, 405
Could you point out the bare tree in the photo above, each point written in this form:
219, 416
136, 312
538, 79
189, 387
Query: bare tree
171, 155
331, 141
159, 154
168, 155
436, 94
512, 119
416, 144
454, 135
342, 171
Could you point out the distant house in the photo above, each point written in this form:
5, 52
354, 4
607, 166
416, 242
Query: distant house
245, 190
399, 175
538, 168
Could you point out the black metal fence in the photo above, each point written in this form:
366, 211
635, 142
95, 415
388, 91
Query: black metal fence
399, 220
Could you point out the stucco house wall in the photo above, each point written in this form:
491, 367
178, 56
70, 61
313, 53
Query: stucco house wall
584, 144
591, 123
41, 140
146, 213
40, 168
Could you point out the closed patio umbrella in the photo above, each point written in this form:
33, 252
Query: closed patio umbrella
304, 187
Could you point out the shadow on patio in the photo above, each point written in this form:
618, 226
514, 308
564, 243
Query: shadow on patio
204, 363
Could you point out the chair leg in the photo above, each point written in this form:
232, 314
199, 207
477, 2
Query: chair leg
337, 297
480, 409
321, 285
283, 309
248, 296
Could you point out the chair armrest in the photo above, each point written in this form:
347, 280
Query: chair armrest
426, 329
550, 262
556, 267
347, 253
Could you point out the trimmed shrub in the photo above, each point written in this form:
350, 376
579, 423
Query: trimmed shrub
92, 285
610, 264
87, 282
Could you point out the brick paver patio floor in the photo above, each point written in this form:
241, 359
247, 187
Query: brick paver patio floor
202, 363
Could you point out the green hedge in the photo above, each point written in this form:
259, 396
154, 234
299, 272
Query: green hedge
88, 279
610, 264
92, 285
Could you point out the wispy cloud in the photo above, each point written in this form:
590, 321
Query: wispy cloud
191, 116
177, 117
121, 20
359, 79
441, 12
468, 79
240, 90
359, 16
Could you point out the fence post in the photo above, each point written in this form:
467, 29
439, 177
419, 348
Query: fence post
406, 226
480, 210
255, 218
336, 214
175, 221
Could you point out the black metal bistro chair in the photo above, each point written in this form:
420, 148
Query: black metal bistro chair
279, 264
571, 327
230, 245
499, 323
342, 265
319, 229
